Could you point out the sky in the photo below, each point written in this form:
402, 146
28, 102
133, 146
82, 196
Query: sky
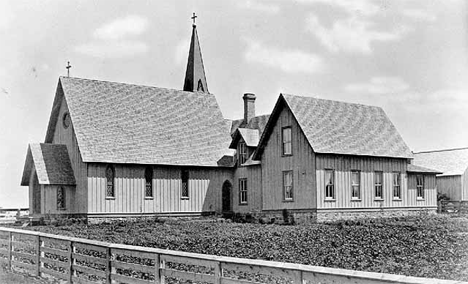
408, 57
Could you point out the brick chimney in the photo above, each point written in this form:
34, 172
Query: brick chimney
249, 107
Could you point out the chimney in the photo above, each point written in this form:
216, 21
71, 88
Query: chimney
249, 107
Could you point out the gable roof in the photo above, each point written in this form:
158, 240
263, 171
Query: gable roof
333, 127
125, 123
450, 161
51, 162
418, 169
250, 136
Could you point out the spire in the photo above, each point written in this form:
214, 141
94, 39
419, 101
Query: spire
195, 79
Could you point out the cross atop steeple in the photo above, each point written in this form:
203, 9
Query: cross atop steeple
195, 80
194, 17
68, 69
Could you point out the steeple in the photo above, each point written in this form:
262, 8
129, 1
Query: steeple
195, 79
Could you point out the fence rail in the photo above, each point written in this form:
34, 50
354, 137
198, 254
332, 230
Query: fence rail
453, 207
87, 261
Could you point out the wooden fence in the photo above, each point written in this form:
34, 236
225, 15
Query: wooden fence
453, 207
86, 261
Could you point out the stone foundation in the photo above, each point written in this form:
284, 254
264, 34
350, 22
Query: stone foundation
335, 215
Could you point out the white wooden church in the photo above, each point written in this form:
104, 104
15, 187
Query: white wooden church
121, 150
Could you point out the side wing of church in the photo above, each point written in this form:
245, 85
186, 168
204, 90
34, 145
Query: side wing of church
122, 150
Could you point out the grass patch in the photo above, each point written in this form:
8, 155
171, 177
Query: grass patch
425, 246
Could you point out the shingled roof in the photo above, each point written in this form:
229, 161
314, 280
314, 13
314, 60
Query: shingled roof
418, 169
124, 123
258, 122
250, 136
51, 162
334, 127
450, 161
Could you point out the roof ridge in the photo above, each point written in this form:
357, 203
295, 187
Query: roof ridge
441, 150
132, 84
321, 99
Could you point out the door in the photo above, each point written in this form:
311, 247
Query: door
226, 196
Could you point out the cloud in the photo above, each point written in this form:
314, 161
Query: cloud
362, 7
351, 34
379, 86
420, 15
121, 28
181, 51
112, 39
291, 61
269, 7
113, 49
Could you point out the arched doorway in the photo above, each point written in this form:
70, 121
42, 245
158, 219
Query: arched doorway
226, 196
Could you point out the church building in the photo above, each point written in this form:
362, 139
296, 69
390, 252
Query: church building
122, 150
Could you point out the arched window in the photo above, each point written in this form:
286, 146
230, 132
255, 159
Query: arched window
61, 198
149, 182
200, 86
110, 175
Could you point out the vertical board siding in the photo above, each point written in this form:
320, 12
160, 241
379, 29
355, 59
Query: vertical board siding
451, 186
343, 165
253, 174
301, 162
205, 186
430, 191
464, 186
67, 137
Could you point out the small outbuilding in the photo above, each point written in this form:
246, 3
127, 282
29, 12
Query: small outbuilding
453, 163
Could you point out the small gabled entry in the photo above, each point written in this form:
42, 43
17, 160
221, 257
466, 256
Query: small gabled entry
227, 197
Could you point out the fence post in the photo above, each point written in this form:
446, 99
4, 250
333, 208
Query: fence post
70, 262
157, 272
38, 256
218, 273
10, 248
439, 206
108, 265
162, 266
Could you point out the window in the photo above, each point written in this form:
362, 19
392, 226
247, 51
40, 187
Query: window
355, 185
288, 185
329, 184
185, 184
287, 145
242, 153
149, 182
378, 182
61, 198
66, 120
396, 186
243, 191
200, 86
110, 175
420, 186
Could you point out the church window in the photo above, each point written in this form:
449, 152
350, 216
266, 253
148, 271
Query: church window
420, 186
396, 186
243, 191
66, 120
378, 181
329, 184
61, 198
185, 184
288, 185
355, 185
287, 145
149, 182
110, 176
200, 86
242, 153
